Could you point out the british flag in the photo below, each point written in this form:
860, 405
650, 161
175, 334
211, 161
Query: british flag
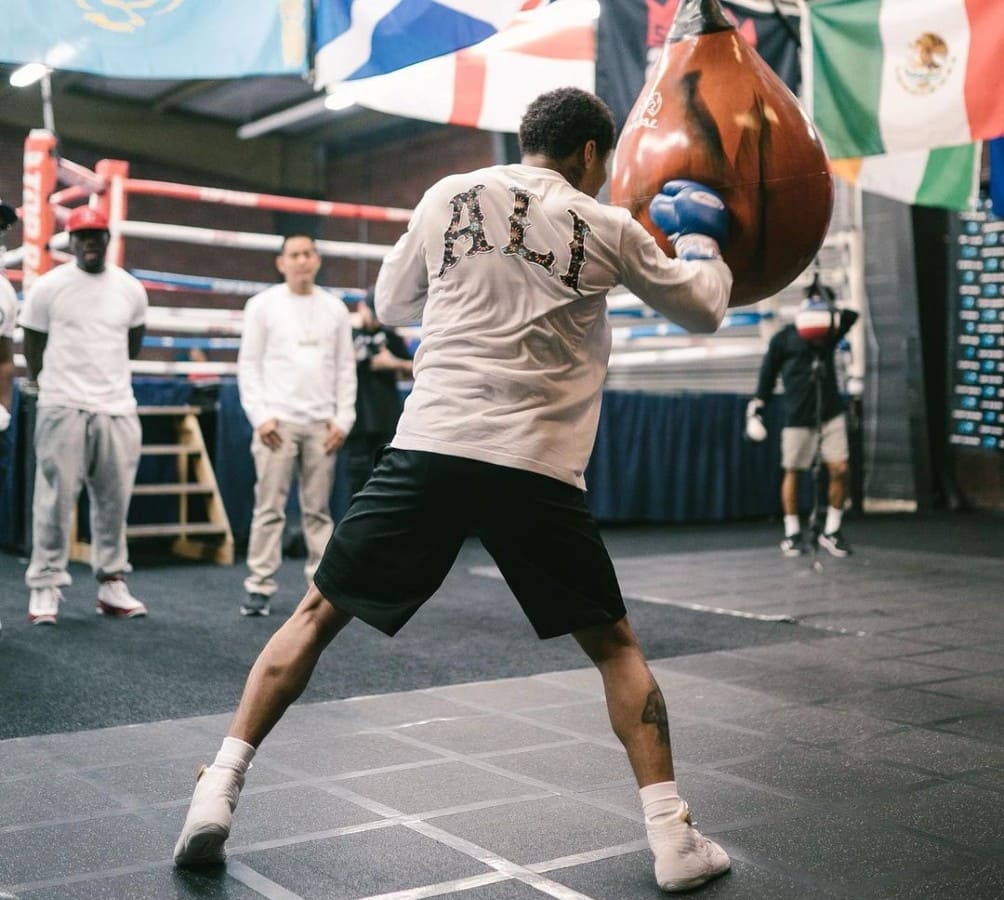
363, 38
489, 84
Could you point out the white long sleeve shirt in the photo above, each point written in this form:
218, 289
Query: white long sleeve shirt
508, 269
296, 362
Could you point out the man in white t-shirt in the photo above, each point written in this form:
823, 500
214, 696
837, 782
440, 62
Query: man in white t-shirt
83, 321
508, 269
296, 372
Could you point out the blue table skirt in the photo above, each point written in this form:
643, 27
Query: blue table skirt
658, 458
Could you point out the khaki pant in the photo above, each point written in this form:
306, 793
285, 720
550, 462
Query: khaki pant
302, 451
74, 448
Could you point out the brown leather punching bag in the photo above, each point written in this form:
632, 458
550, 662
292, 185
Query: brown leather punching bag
714, 112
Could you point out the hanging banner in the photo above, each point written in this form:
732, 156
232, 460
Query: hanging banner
363, 38
947, 177
891, 75
159, 38
490, 85
995, 152
631, 34
976, 333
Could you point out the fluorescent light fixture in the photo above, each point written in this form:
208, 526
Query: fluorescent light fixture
28, 74
289, 116
340, 97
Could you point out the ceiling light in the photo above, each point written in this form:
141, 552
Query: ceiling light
28, 74
340, 97
289, 116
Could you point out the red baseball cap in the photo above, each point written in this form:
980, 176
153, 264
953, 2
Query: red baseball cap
85, 218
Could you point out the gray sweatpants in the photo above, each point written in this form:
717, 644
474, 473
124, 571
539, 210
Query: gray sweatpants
73, 448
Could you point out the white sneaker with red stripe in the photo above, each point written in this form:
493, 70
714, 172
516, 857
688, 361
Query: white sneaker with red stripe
115, 600
43, 605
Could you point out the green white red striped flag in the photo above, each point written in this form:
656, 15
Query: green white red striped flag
891, 75
946, 177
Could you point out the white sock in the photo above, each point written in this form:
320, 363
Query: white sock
235, 755
834, 517
660, 801
792, 526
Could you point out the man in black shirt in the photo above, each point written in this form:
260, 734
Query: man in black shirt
814, 415
382, 358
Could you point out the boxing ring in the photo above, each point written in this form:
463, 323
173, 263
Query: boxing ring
670, 446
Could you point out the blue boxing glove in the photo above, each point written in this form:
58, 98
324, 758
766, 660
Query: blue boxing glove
694, 218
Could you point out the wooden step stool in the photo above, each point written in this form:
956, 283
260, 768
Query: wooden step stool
211, 540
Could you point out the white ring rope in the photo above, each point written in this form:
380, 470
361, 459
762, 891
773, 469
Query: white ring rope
641, 337
189, 234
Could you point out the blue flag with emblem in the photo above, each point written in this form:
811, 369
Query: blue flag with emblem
360, 38
159, 38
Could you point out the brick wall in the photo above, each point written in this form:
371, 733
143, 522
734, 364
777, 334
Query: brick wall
396, 175
393, 175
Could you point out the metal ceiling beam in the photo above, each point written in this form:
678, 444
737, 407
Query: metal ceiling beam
183, 92
64, 80
129, 129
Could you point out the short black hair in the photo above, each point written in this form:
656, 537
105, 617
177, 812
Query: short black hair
561, 121
286, 238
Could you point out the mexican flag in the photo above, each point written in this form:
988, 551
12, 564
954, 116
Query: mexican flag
911, 86
891, 75
948, 177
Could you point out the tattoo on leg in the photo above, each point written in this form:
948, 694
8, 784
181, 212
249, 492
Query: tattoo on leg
654, 713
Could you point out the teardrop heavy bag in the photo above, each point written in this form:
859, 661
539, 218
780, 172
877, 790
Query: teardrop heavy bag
713, 111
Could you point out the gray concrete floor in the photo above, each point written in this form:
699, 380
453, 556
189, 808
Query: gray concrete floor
862, 757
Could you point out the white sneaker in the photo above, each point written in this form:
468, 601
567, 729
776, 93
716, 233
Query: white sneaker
684, 858
207, 825
43, 605
114, 599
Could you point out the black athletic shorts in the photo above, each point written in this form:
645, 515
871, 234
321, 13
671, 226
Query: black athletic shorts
404, 529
